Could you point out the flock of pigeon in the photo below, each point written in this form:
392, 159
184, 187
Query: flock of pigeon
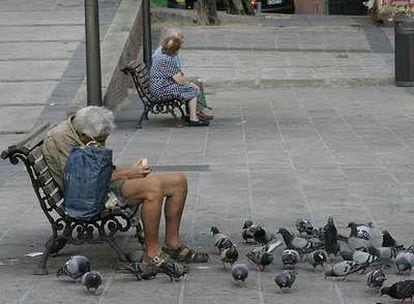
319, 246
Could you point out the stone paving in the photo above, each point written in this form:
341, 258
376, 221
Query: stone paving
273, 153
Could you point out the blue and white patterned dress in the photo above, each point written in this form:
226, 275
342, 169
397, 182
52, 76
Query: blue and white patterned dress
162, 84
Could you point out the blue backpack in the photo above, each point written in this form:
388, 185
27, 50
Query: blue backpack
86, 181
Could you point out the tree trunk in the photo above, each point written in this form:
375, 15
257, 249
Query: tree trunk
207, 12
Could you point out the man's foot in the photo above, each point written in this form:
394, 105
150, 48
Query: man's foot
185, 254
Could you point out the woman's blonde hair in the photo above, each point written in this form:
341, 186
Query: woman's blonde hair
170, 45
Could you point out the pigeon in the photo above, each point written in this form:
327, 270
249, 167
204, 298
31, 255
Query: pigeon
317, 258
75, 267
261, 237
388, 240
363, 230
248, 230
405, 261
359, 237
304, 226
262, 256
290, 258
341, 269
331, 237
376, 278
92, 280
285, 279
221, 241
364, 259
384, 254
239, 272
301, 245
229, 256
401, 290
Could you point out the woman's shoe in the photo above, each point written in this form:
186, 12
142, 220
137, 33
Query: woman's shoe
198, 123
204, 116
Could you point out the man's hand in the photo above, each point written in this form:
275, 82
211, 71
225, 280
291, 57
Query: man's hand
138, 172
143, 163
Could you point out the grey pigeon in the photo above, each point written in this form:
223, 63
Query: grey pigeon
92, 280
364, 259
405, 261
401, 290
304, 226
301, 245
248, 231
285, 279
376, 278
363, 230
331, 237
229, 256
341, 269
384, 254
290, 258
75, 267
221, 241
239, 272
317, 258
262, 256
359, 237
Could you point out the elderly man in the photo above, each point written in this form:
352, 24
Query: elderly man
132, 185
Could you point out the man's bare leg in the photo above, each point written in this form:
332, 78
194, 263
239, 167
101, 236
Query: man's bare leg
151, 190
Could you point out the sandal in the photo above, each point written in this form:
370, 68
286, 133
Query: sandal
185, 254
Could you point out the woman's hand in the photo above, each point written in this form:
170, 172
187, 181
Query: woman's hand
180, 78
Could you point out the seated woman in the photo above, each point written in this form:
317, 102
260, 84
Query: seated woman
167, 81
201, 99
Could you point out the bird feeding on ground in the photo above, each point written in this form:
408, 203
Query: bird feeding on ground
285, 279
248, 231
290, 258
317, 258
239, 272
262, 256
75, 267
405, 261
341, 269
92, 280
401, 290
227, 250
301, 245
376, 278
304, 226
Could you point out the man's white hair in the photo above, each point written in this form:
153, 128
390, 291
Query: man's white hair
94, 121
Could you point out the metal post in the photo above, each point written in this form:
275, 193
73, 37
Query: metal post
146, 20
93, 53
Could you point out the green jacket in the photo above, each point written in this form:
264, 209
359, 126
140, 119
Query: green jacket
57, 146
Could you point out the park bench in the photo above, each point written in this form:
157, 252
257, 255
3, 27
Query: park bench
65, 229
139, 73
